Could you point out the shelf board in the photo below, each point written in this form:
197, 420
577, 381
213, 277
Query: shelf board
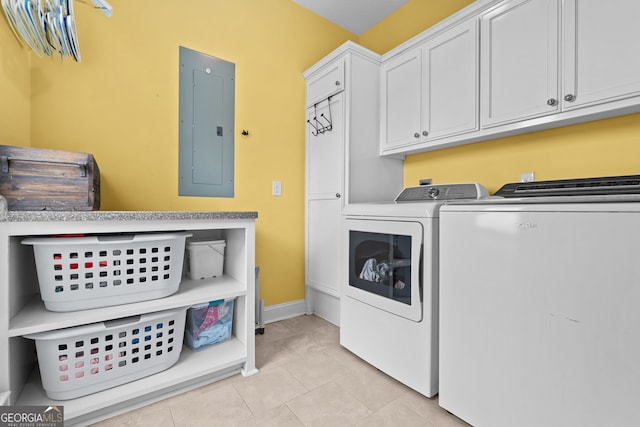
34, 317
192, 367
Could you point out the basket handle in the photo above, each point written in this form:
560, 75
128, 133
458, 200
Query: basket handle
103, 238
140, 237
101, 326
117, 323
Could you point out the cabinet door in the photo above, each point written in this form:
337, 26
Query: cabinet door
602, 60
400, 99
329, 81
519, 61
325, 187
450, 82
325, 150
323, 244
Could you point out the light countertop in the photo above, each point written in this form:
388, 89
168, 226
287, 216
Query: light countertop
43, 216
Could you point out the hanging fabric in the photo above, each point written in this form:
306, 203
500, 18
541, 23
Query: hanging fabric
48, 27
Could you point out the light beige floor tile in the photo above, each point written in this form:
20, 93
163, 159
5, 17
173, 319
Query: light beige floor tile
328, 405
273, 355
305, 323
316, 368
306, 379
394, 415
214, 406
317, 339
372, 387
160, 417
345, 357
430, 410
277, 417
274, 332
268, 390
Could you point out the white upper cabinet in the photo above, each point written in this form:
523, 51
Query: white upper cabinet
400, 99
601, 55
450, 82
505, 67
431, 91
522, 77
519, 61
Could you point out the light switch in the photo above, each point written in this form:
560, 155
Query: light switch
276, 188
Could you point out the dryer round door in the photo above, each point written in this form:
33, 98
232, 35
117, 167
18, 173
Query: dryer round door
383, 265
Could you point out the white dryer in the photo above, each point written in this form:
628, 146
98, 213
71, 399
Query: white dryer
389, 274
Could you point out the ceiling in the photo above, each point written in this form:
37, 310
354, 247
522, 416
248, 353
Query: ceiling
356, 16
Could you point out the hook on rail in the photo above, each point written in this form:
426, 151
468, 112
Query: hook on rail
318, 126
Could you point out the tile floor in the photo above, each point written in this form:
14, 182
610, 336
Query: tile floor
305, 379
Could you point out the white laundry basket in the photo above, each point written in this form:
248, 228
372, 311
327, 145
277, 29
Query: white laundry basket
77, 273
86, 359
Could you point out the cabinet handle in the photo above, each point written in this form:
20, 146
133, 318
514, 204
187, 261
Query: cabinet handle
569, 97
337, 83
338, 195
416, 135
552, 101
425, 133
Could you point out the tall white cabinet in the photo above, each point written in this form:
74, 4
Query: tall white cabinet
22, 311
342, 163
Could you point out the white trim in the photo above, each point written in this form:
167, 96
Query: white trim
347, 47
287, 310
4, 398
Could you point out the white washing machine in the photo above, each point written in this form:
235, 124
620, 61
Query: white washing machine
540, 305
389, 274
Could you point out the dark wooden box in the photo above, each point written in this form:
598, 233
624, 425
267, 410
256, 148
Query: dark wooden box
34, 179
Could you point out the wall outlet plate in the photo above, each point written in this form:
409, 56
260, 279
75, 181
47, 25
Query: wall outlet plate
276, 188
527, 177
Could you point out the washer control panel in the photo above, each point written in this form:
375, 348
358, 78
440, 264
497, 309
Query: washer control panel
424, 193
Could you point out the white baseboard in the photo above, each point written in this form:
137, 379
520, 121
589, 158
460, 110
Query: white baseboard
319, 303
287, 310
325, 305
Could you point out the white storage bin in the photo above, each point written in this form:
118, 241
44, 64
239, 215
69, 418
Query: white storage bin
78, 273
206, 258
209, 323
86, 359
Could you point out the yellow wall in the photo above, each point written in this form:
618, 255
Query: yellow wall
121, 104
600, 148
15, 89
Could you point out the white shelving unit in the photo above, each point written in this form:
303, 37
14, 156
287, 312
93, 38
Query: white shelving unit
23, 312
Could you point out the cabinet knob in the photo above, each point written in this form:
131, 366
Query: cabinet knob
416, 135
338, 195
569, 97
337, 83
425, 133
552, 101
